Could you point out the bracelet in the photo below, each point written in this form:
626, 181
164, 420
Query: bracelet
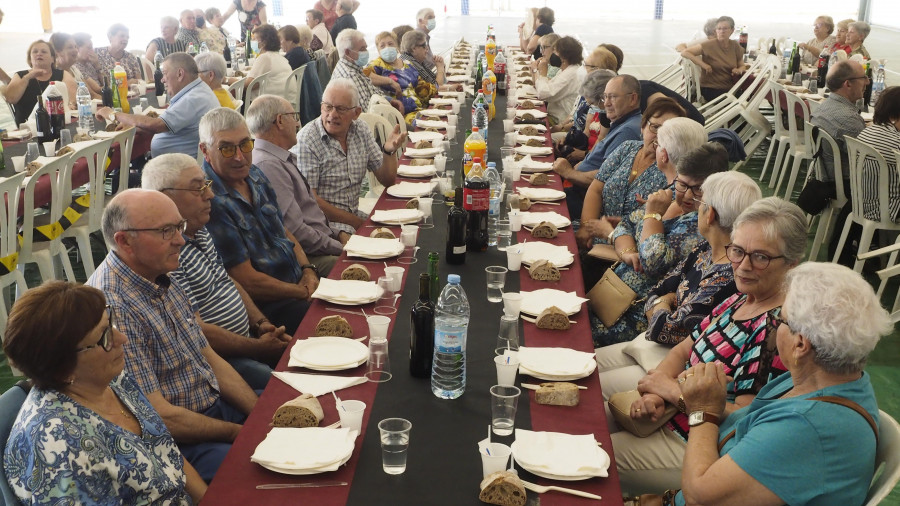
631, 249
389, 153
653, 216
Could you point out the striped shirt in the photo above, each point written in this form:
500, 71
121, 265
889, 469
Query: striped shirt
424, 72
202, 275
164, 352
189, 36
353, 72
885, 139
839, 117
166, 49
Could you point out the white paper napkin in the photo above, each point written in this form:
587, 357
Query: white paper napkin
416, 170
348, 290
442, 101
541, 193
397, 216
530, 219
528, 164
535, 301
534, 112
460, 78
406, 189
560, 454
306, 448
422, 153
534, 150
541, 128
427, 123
435, 112
318, 384
522, 139
425, 136
560, 256
555, 361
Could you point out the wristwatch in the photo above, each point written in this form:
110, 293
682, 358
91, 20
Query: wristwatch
657, 302
653, 215
385, 151
701, 417
310, 266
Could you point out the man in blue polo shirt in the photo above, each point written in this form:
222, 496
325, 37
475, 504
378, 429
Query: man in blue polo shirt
176, 128
621, 101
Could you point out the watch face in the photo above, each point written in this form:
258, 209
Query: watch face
695, 418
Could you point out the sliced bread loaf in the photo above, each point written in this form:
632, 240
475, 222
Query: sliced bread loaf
539, 179
543, 270
334, 326
544, 230
383, 233
304, 411
552, 318
503, 488
357, 272
557, 394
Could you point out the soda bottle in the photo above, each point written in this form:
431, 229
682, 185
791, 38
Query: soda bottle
451, 323
456, 231
116, 100
877, 85
500, 72
489, 85
56, 111
822, 68
421, 325
490, 52
203, 47
474, 147
42, 121
476, 202
106, 92
122, 85
867, 93
493, 178
191, 49
83, 99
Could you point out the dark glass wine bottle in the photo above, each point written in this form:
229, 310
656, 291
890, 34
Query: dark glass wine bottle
456, 231
42, 121
421, 324
435, 289
106, 92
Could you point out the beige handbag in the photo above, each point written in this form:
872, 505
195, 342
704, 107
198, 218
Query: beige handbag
620, 407
611, 297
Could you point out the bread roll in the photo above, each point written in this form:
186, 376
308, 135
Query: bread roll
334, 326
552, 318
542, 270
528, 118
418, 162
423, 145
65, 150
357, 272
534, 143
503, 488
304, 411
545, 230
412, 203
152, 114
557, 394
539, 179
529, 130
32, 167
524, 203
527, 104
383, 233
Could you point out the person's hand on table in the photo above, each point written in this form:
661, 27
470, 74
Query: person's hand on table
649, 406
395, 140
268, 327
103, 113
310, 280
576, 156
590, 229
703, 387
658, 202
737, 71
274, 344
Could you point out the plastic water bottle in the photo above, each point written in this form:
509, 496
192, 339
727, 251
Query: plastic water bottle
480, 120
877, 85
203, 47
451, 322
493, 177
83, 99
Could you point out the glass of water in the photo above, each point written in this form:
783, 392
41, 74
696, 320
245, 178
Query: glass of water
496, 280
394, 444
504, 235
504, 403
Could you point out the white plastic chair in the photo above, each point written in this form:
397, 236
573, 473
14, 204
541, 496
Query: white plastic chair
392, 115
780, 136
10, 190
381, 128
294, 84
43, 253
827, 219
860, 177
887, 460
125, 140
237, 89
254, 89
800, 148
94, 153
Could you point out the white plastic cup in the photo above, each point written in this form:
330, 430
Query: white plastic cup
507, 367
396, 275
408, 234
512, 303
49, 148
513, 258
497, 460
508, 125
95, 103
351, 413
161, 100
19, 163
453, 120
511, 113
378, 326
515, 221
451, 131
455, 107
142, 87
440, 163
425, 204
509, 139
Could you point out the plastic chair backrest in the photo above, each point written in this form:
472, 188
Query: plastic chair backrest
777, 92
58, 171
818, 139
797, 112
10, 404
863, 158
237, 88
380, 126
887, 460
254, 89
10, 190
392, 115
292, 87
95, 154
125, 139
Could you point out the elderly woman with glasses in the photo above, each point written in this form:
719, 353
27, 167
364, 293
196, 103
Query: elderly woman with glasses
809, 436
414, 51
396, 79
720, 59
823, 27
768, 239
85, 432
116, 53
629, 172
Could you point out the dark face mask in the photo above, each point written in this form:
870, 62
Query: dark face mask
200, 22
555, 60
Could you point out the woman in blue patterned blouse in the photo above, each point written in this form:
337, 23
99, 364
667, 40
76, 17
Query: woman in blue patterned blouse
85, 433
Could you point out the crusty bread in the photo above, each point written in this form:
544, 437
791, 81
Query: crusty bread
83, 136
559, 393
423, 145
542, 270
334, 326
527, 104
418, 162
430, 117
539, 179
32, 167
412, 203
517, 157
503, 488
304, 411
529, 130
545, 230
383, 233
64, 151
534, 143
111, 126
431, 129
357, 272
524, 203
528, 118
552, 318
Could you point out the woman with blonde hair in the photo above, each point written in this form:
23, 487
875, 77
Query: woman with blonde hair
397, 79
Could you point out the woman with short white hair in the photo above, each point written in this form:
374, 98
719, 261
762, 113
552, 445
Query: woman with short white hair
809, 436
211, 70
167, 44
856, 35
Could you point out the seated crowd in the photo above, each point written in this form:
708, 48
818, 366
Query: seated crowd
160, 357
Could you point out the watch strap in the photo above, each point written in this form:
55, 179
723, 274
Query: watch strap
653, 215
704, 417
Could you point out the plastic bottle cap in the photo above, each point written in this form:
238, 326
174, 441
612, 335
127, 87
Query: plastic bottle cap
453, 279
476, 159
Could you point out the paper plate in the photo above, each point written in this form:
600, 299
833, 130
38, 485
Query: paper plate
330, 352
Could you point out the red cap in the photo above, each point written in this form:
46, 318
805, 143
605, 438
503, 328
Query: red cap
477, 159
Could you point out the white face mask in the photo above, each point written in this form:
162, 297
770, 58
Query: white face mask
430, 24
389, 54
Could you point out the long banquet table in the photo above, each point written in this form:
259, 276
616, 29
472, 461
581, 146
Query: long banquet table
444, 466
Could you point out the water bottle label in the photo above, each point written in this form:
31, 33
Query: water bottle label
449, 342
84, 110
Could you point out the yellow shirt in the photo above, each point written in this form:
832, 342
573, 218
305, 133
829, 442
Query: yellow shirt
224, 97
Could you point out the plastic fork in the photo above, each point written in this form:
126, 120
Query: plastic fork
540, 489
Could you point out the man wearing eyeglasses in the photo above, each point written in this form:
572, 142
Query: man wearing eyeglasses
246, 225
200, 397
336, 151
274, 123
175, 128
621, 100
838, 115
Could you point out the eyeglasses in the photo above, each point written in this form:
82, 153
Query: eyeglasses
699, 202
294, 115
339, 108
167, 231
779, 320
654, 127
105, 341
421, 45
757, 260
197, 191
611, 97
229, 150
682, 187
858, 77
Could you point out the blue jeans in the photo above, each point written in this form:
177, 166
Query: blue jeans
256, 374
